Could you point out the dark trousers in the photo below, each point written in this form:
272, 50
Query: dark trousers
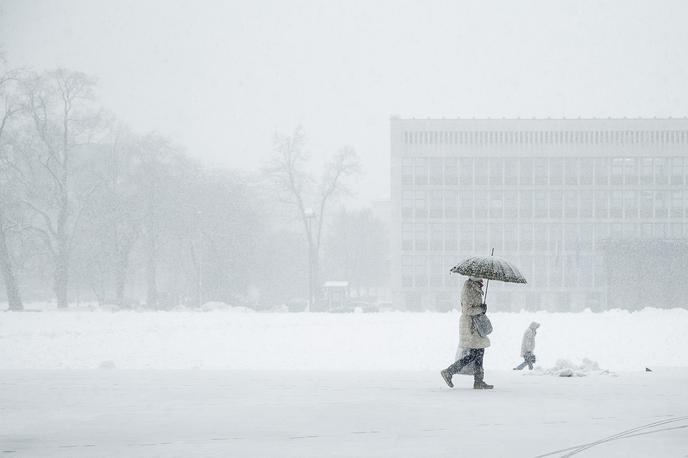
475, 355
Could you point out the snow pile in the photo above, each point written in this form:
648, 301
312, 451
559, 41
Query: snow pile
224, 307
565, 368
223, 339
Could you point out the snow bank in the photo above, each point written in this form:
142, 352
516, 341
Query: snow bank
617, 340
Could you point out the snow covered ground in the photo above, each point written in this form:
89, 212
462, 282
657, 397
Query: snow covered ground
95, 413
616, 340
252, 384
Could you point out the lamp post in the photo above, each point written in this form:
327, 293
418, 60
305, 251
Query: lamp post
309, 215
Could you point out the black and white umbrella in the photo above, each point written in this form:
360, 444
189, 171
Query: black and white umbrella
491, 268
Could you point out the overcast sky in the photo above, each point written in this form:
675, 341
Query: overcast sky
222, 77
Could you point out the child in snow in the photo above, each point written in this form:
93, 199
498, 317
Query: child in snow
527, 347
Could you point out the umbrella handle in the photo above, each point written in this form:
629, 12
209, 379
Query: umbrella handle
487, 285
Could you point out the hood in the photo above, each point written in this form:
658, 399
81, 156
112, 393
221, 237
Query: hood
534, 325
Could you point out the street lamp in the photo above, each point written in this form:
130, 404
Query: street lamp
309, 215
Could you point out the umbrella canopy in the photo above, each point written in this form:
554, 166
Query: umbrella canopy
490, 267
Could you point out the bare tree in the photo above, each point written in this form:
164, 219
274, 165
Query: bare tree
60, 107
8, 167
310, 198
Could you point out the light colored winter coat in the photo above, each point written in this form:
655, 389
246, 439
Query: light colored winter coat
471, 301
528, 342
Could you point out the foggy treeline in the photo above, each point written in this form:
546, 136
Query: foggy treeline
91, 211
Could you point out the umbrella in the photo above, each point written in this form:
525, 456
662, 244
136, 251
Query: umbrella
489, 267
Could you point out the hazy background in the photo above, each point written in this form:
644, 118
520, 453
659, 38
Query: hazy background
222, 77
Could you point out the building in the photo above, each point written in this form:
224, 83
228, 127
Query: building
552, 195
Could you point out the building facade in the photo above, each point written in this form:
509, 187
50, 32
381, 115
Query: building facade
549, 195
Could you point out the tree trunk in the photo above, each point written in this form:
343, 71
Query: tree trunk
13, 297
122, 265
151, 273
61, 276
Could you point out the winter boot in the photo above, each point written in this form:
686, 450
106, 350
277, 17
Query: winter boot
447, 377
478, 383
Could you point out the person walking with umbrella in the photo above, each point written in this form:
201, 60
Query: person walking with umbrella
474, 326
472, 305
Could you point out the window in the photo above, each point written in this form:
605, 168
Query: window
586, 171
659, 230
586, 204
407, 237
661, 204
630, 170
541, 172
541, 204
496, 204
525, 204
646, 174
601, 171
407, 204
421, 237
421, 172
630, 204
540, 237
451, 204
436, 237
451, 237
571, 173
676, 204
496, 171
526, 171
555, 238
466, 171
646, 204
676, 230
436, 171
555, 204
616, 205
420, 206
420, 271
556, 171
525, 237
617, 171
570, 204
480, 204
451, 172
481, 241
510, 204
511, 172
586, 237
601, 204
436, 204
481, 174
661, 171
571, 237
602, 232
407, 171
437, 273
510, 240
677, 171
465, 203
496, 237
406, 271
466, 238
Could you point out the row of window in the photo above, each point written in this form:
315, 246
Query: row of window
497, 171
468, 203
628, 137
527, 237
566, 270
